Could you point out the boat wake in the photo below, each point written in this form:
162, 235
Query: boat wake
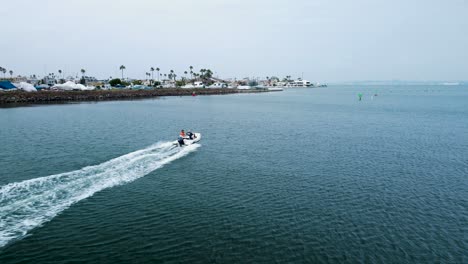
28, 204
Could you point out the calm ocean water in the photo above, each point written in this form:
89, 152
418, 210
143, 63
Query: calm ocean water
304, 175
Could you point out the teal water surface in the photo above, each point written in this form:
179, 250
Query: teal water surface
303, 175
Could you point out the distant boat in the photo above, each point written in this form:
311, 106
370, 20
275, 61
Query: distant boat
138, 87
302, 83
296, 83
72, 86
7, 85
42, 87
275, 89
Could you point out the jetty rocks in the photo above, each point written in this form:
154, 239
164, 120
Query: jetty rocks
21, 97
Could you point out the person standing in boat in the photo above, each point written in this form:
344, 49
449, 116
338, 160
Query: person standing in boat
182, 133
180, 140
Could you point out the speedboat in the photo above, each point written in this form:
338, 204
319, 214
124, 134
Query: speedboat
188, 141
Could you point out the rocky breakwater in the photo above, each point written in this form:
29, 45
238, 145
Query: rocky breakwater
21, 97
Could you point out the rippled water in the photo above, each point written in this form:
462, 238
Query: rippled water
304, 175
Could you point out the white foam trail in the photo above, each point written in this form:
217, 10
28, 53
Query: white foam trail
28, 204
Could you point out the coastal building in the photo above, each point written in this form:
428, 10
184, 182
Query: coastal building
19, 79
199, 85
280, 84
274, 80
49, 80
89, 80
194, 85
71, 79
218, 85
168, 84
33, 80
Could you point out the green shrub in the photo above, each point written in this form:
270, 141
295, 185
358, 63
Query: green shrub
115, 82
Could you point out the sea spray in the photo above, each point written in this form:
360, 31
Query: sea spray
28, 204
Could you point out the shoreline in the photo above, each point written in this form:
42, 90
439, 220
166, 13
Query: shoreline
21, 98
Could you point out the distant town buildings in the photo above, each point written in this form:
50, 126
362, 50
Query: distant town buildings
189, 79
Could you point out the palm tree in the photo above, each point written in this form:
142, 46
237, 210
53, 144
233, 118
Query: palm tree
3, 70
191, 71
208, 73
202, 71
82, 72
157, 69
185, 72
172, 74
152, 74
122, 68
11, 73
60, 72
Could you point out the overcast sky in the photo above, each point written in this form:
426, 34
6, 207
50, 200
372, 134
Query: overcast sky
326, 40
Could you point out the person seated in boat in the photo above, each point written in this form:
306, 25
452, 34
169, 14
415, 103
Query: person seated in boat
190, 134
182, 133
180, 140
